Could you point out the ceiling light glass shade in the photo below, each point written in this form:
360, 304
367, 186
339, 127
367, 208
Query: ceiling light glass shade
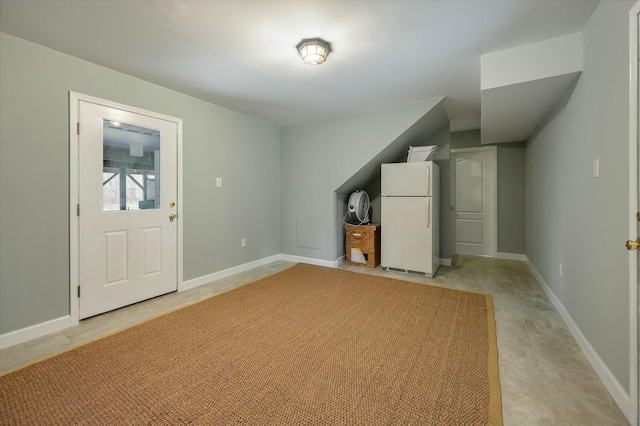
314, 51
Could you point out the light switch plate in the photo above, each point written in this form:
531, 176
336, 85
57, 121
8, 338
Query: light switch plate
218, 182
596, 168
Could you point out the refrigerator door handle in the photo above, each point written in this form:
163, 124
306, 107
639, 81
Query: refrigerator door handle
428, 212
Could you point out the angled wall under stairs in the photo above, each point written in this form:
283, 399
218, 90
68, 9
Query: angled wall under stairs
323, 158
522, 85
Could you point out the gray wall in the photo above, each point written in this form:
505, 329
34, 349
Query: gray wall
431, 128
511, 189
511, 198
34, 177
317, 158
578, 220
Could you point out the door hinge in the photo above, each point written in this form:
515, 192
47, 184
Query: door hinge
78, 210
638, 216
78, 291
78, 128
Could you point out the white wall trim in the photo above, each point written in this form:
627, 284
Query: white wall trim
34, 331
494, 149
74, 197
38, 330
310, 260
634, 326
180, 209
511, 256
614, 387
445, 262
206, 279
209, 278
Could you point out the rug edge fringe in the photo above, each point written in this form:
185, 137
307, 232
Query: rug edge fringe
495, 395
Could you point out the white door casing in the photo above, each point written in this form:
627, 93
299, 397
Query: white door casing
634, 208
119, 257
474, 199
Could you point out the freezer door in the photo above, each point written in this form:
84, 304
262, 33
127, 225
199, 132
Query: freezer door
407, 179
407, 233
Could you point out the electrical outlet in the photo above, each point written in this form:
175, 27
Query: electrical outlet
243, 242
560, 269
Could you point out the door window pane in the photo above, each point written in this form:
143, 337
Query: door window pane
130, 167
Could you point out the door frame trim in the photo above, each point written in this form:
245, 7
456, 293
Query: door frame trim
74, 222
494, 186
634, 326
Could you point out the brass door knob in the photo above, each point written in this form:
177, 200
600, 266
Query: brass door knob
633, 245
172, 216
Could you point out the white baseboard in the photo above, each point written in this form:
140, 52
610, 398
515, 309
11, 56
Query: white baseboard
619, 395
310, 260
445, 262
38, 330
206, 279
511, 256
34, 331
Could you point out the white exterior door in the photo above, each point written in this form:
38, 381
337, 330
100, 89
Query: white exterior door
474, 185
127, 192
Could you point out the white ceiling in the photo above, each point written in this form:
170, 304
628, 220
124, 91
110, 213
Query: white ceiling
242, 55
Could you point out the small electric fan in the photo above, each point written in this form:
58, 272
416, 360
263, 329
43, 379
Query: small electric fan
358, 212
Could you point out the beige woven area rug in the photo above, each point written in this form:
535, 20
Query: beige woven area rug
306, 346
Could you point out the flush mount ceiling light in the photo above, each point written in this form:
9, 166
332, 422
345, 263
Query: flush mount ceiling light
314, 51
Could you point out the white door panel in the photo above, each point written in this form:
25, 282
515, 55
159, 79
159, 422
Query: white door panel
470, 231
470, 189
151, 250
127, 184
115, 253
473, 182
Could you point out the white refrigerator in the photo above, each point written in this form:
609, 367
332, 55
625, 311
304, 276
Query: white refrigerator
410, 238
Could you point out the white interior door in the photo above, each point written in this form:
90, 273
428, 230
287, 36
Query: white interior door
127, 192
474, 196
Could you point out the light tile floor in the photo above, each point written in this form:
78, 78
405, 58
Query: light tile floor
544, 376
